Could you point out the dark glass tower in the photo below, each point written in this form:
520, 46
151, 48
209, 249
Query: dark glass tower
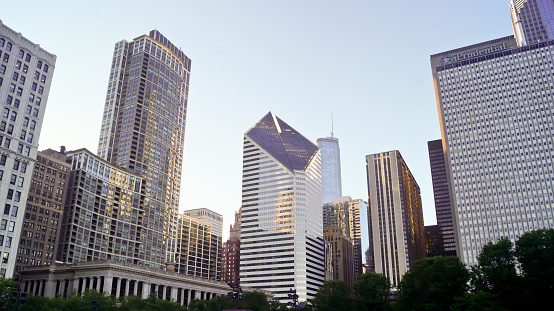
441, 190
143, 130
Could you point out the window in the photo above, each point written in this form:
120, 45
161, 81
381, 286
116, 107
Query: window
16, 103
20, 181
43, 79
18, 65
2, 41
34, 86
7, 142
1, 240
31, 97
19, 91
39, 64
45, 68
26, 153
20, 148
3, 159
6, 255
23, 135
13, 116
21, 54
9, 100
10, 194
37, 102
6, 112
16, 164
6, 57
12, 181
25, 122
28, 57
7, 209
33, 123
2, 69
25, 68
28, 110
30, 138
8, 241
35, 112
17, 196
22, 79
40, 89
3, 224
15, 76
23, 166
12, 88
10, 129
37, 75
9, 46
11, 226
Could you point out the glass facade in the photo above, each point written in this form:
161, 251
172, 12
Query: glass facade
281, 234
104, 214
532, 20
143, 130
330, 168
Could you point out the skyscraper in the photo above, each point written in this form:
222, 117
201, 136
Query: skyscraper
396, 215
143, 130
342, 255
330, 168
441, 191
26, 72
281, 234
495, 107
532, 20
351, 216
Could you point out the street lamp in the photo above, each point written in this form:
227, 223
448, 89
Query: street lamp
235, 294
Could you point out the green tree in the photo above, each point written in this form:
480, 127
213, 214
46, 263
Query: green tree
432, 284
198, 305
255, 300
496, 273
6, 288
372, 292
332, 296
480, 301
275, 305
221, 303
535, 253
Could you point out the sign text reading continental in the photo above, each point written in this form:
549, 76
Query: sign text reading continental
477, 52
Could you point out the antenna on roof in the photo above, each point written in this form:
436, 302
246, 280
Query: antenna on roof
332, 125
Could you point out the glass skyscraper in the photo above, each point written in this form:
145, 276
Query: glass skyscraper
143, 130
532, 20
330, 168
281, 234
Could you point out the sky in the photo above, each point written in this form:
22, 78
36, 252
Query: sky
364, 62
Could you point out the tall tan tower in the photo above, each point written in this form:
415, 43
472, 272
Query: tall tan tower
396, 215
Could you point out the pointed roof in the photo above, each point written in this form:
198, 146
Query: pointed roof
283, 142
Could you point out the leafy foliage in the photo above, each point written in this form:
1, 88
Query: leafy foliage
372, 292
333, 295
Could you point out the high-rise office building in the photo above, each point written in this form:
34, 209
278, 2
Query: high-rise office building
396, 215
496, 112
351, 216
44, 210
281, 234
25, 77
230, 261
434, 245
441, 191
208, 216
198, 249
532, 20
104, 214
143, 129
342, 255
330, 168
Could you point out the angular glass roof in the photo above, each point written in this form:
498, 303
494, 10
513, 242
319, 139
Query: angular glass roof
283, 142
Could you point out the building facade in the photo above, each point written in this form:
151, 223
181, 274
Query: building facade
532, 20
396, 215
330, 168
351, 216
234, 230
441, 191
143, 130
104, 213
342, 257
230, 262
119, 279
208, 216
198, 249
281, 234
25, 77
43, 212
433, 242
497, 132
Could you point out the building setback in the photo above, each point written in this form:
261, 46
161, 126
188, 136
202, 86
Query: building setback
441, 191
396, 215
26, 72
281, 234
44, 210
143, 130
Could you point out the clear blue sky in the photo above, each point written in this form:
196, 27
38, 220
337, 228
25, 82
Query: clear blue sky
366, 62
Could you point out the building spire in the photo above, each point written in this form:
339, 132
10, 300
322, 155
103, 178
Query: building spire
332, 125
